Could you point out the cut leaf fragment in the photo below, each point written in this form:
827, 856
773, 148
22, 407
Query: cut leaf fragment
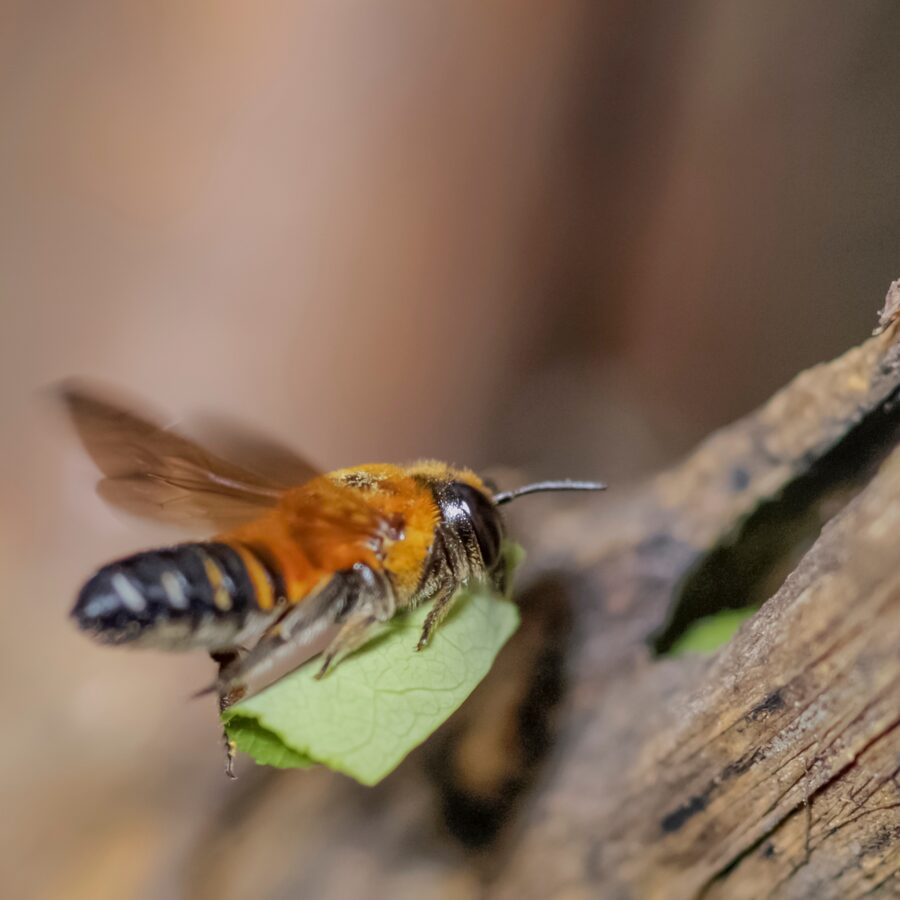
372, 709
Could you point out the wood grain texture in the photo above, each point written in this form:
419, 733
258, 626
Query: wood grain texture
776, 751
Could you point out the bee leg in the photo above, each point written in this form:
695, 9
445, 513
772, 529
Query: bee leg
356, 594
375, 605
441, 605
226, 658
455, 560
359, 629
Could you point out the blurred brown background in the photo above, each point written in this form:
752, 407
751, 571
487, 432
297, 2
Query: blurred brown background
570, 237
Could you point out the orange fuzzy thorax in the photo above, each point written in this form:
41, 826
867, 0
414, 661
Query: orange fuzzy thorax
381, 515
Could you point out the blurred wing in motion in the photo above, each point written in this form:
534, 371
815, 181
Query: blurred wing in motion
249, 448
155, 472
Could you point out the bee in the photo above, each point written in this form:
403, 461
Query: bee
294, 554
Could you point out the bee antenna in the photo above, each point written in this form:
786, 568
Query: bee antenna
542, 486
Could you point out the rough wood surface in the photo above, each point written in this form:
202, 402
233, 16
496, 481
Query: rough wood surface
769, 769
772, 766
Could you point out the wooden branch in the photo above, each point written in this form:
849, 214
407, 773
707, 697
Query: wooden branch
770, 769
776, 763
773, 765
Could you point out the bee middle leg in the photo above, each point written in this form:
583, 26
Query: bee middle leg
357, 630
374, 606
358, 599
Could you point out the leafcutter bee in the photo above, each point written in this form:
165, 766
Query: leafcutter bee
294, 553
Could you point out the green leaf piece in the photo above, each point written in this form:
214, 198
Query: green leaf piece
711, 632
263, 745
374, 707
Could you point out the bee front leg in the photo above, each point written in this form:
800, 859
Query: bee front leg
454, 560
441, 604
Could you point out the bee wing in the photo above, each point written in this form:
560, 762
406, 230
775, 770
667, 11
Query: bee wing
251, 449
153, 471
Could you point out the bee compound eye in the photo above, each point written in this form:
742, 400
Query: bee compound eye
466, 507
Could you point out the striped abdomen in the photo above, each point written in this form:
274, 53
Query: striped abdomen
198, 595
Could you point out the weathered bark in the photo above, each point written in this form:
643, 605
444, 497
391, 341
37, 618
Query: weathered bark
769, 769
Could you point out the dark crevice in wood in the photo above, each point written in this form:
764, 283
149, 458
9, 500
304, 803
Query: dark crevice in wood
749, 566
